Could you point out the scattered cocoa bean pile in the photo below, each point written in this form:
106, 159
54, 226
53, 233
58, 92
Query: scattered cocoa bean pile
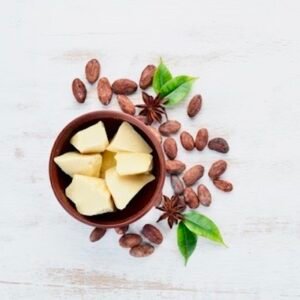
134, 241
181, 179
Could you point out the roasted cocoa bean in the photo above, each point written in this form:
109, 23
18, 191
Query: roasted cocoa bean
193, 174
191, 198
201, 139
223, 185
147, 76
130, 240
79, 90
175, 167
124, 86
219, 145
187, 141
169, 127
194, 106
97, 234
142, 250
170, 148
177, 184
204, 195
152, 233
104, 91
126, 105
217, 169
92, 70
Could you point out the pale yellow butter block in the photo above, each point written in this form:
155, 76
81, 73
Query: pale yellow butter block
124, 188
90, 195
128, 140
108, 161
83, 164
133, 163
91, 140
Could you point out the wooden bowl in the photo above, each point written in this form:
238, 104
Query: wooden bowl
141, 203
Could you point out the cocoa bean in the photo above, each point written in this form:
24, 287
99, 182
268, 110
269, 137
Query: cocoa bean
92, 70
219, 145
104, 91
130, 240
191, 198
126, 105
194, 106
223, 185
152, 233
142, 250
177, 184
97, 234
193, 174
147, 76
187, 141
182, 202
124, 86
201, 139
175, 167
170, 148
204, 195
217, 169
169, 127
79, 90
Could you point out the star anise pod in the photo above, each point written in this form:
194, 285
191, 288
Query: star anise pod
153, 108
172, 209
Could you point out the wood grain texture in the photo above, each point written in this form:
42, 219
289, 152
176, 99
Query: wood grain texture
247, 57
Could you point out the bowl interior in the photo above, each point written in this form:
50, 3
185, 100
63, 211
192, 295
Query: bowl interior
141, 203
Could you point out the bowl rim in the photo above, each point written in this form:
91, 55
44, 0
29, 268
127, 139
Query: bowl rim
103, 114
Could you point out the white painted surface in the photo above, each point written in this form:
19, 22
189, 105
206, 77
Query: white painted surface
247, 55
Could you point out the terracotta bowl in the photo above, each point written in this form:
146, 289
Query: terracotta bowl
142, 202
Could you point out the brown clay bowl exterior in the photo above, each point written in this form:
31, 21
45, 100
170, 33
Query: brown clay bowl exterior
141, 203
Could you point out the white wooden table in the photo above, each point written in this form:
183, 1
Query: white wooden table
247, 55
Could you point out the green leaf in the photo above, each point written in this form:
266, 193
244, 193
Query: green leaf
179, 94
174, 84
186, 241
161, 76
202, 226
